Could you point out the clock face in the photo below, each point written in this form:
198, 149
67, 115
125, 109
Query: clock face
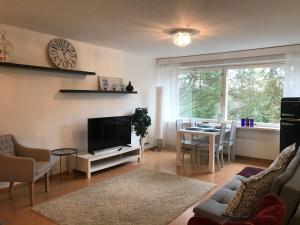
62, 53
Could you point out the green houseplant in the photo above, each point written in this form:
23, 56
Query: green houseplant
141, 121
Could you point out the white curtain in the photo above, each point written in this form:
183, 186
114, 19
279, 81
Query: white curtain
292, 76
168, 102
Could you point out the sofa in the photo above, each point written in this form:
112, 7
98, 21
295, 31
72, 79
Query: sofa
286, 186
270, 210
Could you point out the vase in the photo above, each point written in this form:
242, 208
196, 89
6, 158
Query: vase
129, 87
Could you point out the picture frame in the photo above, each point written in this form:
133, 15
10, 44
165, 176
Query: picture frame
111, 84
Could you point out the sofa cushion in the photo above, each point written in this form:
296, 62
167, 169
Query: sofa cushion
235, 183
249, 193
7, 144
286, 175
284, 158
214, 207
290, 194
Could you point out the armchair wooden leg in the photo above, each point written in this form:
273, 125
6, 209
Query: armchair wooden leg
11, 185
31, 193
46, 181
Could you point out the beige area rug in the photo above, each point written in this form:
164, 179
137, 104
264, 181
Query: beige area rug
139, 197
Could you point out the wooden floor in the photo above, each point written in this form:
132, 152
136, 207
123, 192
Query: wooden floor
14, 208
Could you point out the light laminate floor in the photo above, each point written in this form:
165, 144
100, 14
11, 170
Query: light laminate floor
14, 209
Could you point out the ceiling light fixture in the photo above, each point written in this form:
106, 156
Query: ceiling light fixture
182, 37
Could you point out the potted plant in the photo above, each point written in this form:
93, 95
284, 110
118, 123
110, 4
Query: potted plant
141, 121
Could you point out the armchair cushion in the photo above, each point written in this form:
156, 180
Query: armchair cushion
7, 144
41, 168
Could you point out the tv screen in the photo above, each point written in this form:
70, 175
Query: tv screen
108, 132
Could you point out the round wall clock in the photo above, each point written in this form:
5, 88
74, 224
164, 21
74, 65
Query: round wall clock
62, 53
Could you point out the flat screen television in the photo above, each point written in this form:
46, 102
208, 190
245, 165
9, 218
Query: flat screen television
108, 132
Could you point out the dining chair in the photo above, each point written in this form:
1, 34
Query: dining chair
196, 137
187, 142
203, 148
230, 142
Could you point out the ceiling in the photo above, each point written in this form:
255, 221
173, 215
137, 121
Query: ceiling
139, 26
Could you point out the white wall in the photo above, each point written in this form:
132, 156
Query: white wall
263, 144
38, 115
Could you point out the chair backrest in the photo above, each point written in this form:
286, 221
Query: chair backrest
232, 135
179, 124
220, 143
193, 122
7, 144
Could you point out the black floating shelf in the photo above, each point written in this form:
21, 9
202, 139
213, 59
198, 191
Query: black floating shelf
96, 91
44, 68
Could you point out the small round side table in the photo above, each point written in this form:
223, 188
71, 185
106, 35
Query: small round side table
64, 152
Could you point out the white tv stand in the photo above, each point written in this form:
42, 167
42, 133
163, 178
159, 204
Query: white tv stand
89, 163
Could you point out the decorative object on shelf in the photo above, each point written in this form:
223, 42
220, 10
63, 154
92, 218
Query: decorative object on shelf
182, 37
141, 121
110, 83
122, 87
62, 53
6, 48
129, 87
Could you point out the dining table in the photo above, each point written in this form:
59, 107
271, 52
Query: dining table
208, 131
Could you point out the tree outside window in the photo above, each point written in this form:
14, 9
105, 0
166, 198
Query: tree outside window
199, 92
253, 91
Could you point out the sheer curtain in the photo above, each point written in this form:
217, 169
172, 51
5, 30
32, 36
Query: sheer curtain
292, 76
167, 103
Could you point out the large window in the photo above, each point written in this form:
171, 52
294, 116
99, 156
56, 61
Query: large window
233, 92
199, 92
255, 92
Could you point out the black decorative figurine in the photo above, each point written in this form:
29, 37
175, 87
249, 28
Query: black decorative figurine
129, 87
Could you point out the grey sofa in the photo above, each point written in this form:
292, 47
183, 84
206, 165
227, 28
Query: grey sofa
286, 186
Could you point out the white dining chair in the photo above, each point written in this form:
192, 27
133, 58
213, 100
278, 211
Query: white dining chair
203, 148
188, 143
230, 142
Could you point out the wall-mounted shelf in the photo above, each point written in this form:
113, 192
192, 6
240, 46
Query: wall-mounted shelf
44, 68
96, 91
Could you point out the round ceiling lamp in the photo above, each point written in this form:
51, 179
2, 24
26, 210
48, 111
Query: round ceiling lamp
182, 37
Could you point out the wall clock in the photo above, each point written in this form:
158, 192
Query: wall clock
62, 53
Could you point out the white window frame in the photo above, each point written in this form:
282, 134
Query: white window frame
224, 89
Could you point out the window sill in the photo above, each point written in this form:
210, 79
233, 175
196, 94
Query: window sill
274, 129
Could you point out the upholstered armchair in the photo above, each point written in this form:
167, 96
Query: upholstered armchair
21, 164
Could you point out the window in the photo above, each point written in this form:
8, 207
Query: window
255, 92
248, 91
199, 93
